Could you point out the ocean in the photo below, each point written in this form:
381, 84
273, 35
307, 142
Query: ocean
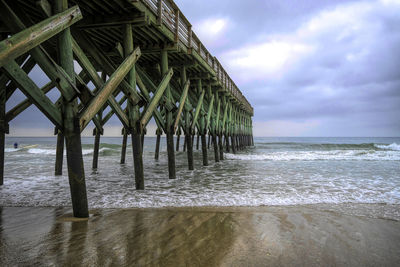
359, 176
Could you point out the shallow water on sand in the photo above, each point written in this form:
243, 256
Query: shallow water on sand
258, 236
277, 171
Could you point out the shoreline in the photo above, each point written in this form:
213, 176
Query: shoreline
197, 236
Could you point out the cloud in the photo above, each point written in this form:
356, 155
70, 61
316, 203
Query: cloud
264, 60
341, 64
211, 31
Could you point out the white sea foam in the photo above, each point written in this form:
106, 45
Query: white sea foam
392, 146
9, 149
53, 151
319, 155
255, 177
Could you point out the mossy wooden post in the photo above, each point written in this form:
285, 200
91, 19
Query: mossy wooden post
124, 142
3, 129
204, 146
59, 153
215, 128
232, 130
157, 152
144, 131
134, 114
197, 142
178, 135
169, 120
203, 130
188, 144
72, 133
96, 147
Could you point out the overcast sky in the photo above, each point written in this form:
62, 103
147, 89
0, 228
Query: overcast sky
309, 68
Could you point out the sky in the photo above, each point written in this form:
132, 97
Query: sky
308, 68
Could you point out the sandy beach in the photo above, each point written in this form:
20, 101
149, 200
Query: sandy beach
240, 236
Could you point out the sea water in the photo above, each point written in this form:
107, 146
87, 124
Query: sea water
355, 175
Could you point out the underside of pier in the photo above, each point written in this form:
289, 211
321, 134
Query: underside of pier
138, 60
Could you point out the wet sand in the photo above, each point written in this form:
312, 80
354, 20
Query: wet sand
262, 236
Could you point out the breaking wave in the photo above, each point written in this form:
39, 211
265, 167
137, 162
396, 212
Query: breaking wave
373, 155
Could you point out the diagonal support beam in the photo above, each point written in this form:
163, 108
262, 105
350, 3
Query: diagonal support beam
111, 112
108, 88
29, 88
12, 21
210, 110
198, 108
15, 111
157, 96
103, 60
98, 82
27, 39
181, 104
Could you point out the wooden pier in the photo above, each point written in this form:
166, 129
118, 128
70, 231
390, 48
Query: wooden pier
145, 62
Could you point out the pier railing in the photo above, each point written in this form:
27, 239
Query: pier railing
170, 15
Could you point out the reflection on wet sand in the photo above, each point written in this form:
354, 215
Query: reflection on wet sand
289, 236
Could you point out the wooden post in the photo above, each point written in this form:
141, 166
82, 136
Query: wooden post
143, 134
59, 153
157, 152
216, 152
134, 114
227, 143
72, 132
209, 140
197, 143
221, 147
233, 143
184, 144
169, 121
3, 129
204, 149
189, 141
96, 147
124, 142
178, 135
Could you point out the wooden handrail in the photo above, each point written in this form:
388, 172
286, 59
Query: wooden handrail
169, 14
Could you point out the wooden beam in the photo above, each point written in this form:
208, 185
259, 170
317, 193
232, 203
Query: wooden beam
156, 98
108, 88
27, 39
108, 66
111, 112
181, 104
198, 108
29, 88
210, 110
94, 21
15, 111
98, 82
38, 53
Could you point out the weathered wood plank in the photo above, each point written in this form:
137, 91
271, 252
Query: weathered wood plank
156, 98
181, 104
198, 108
27, 39
16, 110
29, 88
108, 88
